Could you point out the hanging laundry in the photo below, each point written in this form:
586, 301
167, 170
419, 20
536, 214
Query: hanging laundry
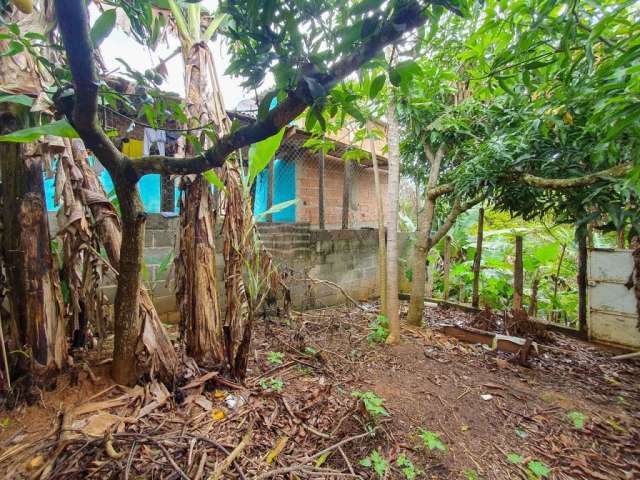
154, 142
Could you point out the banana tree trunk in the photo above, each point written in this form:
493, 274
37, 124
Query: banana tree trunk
423, 244
196, 289
35, 299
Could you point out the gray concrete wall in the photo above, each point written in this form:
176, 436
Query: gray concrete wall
344, 257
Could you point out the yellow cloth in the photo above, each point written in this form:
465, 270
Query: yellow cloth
133, 148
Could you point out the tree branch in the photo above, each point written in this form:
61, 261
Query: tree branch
455, 212
586, 180
616, 171
73, 20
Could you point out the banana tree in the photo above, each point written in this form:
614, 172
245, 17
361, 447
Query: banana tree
196, 290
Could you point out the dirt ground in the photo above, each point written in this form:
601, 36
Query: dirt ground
573, 411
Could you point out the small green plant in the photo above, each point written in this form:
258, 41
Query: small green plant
515, 458
272, 384
578, 419
372, 404
310, 351
275, 358
470, 474
378, 329
376, 462
536, 470
431, 440
408, 469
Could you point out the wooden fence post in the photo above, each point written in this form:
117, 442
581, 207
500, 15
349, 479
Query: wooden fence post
270, 189
518, 276
445, 267
475, 298
582, 279
321, 192
346, 194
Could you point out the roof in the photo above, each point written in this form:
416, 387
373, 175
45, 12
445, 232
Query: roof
342, 139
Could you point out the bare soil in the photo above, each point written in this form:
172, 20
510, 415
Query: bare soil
482, 406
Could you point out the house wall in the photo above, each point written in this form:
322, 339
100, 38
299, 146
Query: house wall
363, 205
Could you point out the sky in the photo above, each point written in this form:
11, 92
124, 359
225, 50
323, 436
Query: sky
139, 57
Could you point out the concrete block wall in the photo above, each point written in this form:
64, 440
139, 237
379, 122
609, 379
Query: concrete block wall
348, 258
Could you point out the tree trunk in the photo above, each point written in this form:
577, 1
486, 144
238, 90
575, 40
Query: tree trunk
382, 247
110, 233
423, 244
196, 289
196, 274
582, 279
393, 305
533, 303
35, 299
620, 237
556, 279
127, 322
238, 315
518, 276
477, 259
445, 267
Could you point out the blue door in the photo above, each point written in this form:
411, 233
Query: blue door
284, 189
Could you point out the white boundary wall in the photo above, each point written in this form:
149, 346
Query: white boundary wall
613, 316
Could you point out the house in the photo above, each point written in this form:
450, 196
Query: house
298, 172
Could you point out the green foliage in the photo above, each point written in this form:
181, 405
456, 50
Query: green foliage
409, 471
275, 358
431, 440
378, 329
212, 177
59, 128
578, 419
470, 474
515, 458
536, 470
278, 207
272, 384
373, 404
376, 462
261, 153
103, 27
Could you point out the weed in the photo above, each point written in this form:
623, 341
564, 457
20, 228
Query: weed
536, 470
578, 419
408, 469
375, 461
470, 474
372, 403
378, 329
310, 351
272, 384
431, 440
275, 358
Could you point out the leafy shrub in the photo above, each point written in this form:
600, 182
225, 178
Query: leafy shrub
376, 462
275, 358
378, 329
372, 404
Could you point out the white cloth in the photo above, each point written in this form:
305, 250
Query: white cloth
154, 137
